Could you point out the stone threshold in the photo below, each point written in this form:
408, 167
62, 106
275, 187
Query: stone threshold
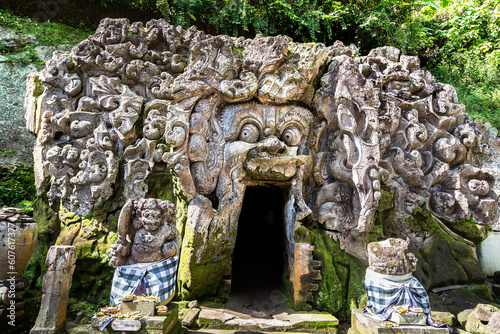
211, 319
361, 324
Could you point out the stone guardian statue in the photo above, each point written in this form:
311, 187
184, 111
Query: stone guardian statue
146, 253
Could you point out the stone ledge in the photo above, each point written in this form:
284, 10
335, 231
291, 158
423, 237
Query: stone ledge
361, 324
150, 325
314, 322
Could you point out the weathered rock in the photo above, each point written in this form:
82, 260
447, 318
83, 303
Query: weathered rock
44, 52
446, 318
10, 40
219, 315
146, 233
191, 317
463, 316
149, 241
60, 265
18, 236
362, 324
16, 140
477, 322
147, 308
488, 153
494, 323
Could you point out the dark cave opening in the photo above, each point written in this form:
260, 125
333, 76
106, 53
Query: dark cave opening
260, 259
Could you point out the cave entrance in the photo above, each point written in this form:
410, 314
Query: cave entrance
260, 259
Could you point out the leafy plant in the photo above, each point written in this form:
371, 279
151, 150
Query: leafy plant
17, 187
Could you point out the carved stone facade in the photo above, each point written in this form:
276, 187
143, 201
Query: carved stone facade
331, 128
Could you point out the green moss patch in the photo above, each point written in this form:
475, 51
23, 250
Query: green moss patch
342, 286
17, 187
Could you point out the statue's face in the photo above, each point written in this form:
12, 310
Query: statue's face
72, 155
151, 219
273, 136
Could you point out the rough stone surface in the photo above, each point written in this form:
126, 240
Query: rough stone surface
361, 324
389, 257
214, 314
494, 323
191, 317
337, 132
147, 309
478, 320
463, 316
169, 324
60, 266
11, 40
16, 140
18, 236
489, 154
44, 52
446, 318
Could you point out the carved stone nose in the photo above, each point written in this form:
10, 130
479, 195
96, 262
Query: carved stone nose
272, 145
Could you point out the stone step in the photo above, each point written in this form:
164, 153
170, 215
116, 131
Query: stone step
361, 324
296, 322
221, 331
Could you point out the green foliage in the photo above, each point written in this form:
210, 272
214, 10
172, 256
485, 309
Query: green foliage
17, 187
460, 40
368, 22
46, 33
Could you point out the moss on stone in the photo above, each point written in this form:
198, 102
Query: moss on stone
444, 258
48, 230
342, 284
481, 290
469, 230
38, 87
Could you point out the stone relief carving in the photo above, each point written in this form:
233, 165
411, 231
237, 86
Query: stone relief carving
332, 128
146, 232
390, 257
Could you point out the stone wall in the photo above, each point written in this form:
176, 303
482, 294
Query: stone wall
16, 142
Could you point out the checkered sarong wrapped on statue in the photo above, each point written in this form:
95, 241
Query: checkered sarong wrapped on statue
387, 291
158, 279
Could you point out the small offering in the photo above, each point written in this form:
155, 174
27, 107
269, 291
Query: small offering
162, 310
128, 298
108, 310
400, 309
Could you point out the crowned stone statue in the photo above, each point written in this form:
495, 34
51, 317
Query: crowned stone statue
146, 253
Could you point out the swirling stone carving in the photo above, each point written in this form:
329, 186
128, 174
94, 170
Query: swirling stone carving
334, 130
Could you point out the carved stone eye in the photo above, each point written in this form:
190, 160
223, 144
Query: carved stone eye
291, 136
249, 133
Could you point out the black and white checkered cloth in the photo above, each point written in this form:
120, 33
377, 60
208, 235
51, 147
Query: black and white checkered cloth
386, 291
159, 279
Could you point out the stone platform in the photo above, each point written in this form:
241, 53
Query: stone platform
263, 311
361, 324
169, 324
